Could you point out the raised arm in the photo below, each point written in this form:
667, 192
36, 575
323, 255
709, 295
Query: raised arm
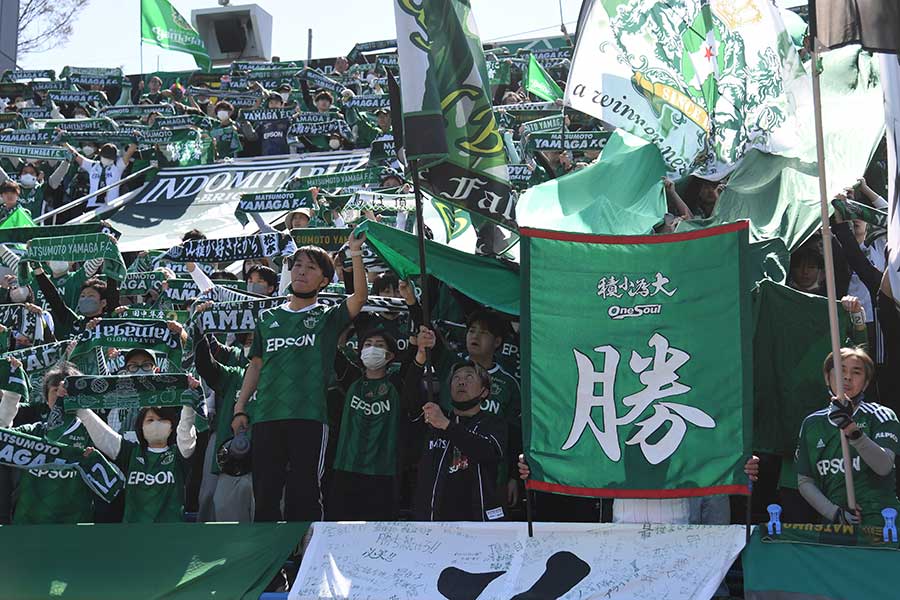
360, 294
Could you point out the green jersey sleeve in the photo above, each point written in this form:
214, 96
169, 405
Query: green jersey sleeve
886, 433
801, 455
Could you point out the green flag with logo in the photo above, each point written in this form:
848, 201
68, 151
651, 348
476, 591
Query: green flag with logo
637, 363
448, 118
538, 82
163, 26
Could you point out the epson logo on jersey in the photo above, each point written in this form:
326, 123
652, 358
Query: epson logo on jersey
623, 312
271, 134
139, 478
370, 408
301, 341
886, 434
54, 473
835, 466
491, 406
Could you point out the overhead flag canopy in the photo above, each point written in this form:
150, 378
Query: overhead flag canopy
163, 26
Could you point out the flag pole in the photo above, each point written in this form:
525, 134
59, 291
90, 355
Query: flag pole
426, 307
829, 253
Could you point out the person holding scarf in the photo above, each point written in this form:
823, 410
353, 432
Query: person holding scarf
48, 496
107, 171
291, 359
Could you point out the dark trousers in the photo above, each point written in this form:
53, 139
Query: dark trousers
288, 459
358, 497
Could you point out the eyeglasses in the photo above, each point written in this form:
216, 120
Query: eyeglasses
146, 367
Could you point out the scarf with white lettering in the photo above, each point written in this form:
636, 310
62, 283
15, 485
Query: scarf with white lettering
79, 248
321, 81
126, 334
36, 360
261, 245
23, 451
338, 180
272, 202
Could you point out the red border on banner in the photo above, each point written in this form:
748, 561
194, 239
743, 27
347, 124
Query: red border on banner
555, 488
592, 238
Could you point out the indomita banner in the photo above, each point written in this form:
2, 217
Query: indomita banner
637, 379
206, 196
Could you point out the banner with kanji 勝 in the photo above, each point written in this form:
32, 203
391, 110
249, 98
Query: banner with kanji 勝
637, 363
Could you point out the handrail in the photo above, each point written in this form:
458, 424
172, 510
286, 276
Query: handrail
84, 199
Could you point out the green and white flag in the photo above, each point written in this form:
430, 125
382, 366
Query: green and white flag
704, 81
448, 119
538, 82
637, 363
163, 26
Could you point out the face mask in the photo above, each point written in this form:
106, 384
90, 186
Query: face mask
223, 115
285, 96
157, 432
88, 150
255, 287
88, 306
468, 404
59, 267
80, 116
304, 295
106, 162
334, 144
21, 105
28, 180
18, 294
373, 357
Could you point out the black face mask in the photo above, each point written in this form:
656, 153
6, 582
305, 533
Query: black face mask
467, 404
304, 295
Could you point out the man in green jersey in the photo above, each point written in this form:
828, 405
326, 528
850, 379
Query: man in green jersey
49, 496
874, 435
291, 359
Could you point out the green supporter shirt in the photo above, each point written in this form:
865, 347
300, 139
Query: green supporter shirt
154, 483
48, 496
228, 140
819, 456
32, 200
227, 389
370, 426
297, 351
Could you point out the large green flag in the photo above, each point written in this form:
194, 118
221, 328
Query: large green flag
538, 82
448, 117
163, 26
621, 194
636, 363
17, 218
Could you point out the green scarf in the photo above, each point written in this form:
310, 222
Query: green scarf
129, 391
28, 152
321, 81
314, 117
851, 209
369, 102
37, 360
69, 97
184, 291
36, 112
23, 235
156, 314
27, 136
104, 80
272, 202
18, 318
262, 115
79, 248
554, 123
23, 451
234, 317
574, 140
69, 125
132, 333
358, 49
14, 380
183, 121
338, 180
28, 75
261, 245
328, 238
338, 126
140, 283
378, 202
135, 111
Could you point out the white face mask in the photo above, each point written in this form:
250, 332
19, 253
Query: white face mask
106, 162
223, 115
80, 116
88, 150
374, 357
28, 180
18, 294
21, 104
58, 267
157, 432
285, 96
334, 144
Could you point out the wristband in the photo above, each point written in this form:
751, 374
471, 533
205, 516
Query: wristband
240, 414
353, 253
858, 318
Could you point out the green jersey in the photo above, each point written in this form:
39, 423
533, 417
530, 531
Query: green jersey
370, 427
55, 496
32, 200
154, 483
297, 350
819, 456
227, 389
228, 140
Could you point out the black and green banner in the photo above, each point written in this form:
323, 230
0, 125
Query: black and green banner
129, 391
261, 245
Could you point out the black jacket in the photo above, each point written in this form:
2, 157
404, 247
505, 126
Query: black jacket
480, 440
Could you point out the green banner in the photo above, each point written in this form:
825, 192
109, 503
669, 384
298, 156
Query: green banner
163, 26
636, 363
78, 248
129, 391
329, 238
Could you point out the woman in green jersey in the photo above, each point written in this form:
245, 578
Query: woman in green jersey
154, 466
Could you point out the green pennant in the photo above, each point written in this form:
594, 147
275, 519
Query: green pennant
538, 82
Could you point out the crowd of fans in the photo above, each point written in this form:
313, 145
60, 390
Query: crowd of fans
344, 420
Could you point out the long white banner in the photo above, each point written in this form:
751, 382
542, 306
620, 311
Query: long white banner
416, 561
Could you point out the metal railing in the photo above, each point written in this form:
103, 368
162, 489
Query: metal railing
84, 199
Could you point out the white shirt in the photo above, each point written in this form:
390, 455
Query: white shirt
94, 170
